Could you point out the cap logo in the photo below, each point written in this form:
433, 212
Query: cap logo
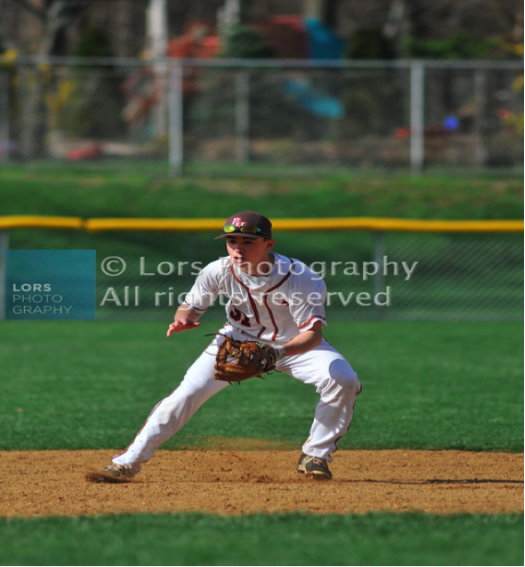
237, 221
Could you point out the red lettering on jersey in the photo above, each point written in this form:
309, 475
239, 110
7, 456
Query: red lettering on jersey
276, 329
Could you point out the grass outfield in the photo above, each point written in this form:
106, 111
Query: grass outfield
91, 385
434, 386
85, 192
296, 539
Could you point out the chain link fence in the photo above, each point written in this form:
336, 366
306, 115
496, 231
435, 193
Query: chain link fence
167, 116
370, 274
390, 276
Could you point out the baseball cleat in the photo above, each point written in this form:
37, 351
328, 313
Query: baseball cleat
113, 473
313, 467
121, 471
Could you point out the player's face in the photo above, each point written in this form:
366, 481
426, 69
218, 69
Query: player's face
249, 253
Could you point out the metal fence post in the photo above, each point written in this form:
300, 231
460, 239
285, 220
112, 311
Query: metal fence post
176, 118
5, 142
4, 246
417, 120
157, 34
480, 147
242, 116
379, 278
160, 110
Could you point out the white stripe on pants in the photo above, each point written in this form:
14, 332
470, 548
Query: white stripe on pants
323, 367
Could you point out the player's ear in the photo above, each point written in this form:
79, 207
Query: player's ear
270, 244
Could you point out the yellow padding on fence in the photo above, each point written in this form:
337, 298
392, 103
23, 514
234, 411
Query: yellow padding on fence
30, 221
171, 225
209, 225
317, 224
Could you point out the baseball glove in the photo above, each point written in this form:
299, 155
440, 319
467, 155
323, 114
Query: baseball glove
237, 361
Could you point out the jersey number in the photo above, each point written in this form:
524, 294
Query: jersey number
238, 315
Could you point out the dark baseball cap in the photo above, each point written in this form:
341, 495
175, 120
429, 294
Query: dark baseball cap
248, 223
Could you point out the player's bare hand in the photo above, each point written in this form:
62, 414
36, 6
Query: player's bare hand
181, 325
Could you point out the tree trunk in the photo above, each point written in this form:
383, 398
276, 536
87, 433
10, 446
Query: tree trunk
518, 28
331, 13
58, 15
397, 25
4, 38
314, 9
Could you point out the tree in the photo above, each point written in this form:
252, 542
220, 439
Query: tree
95, 104
5, 42
55, 16
452, 29
326, 11
517, 24
245, 42
313, 9
396, 25
329, 13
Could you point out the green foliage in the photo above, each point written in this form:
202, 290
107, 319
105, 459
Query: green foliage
82, 385
369, 43
94, 42
365, 114
213, 111
94, 108
245, 42
215, 107
379, 114
460, 46
296, 539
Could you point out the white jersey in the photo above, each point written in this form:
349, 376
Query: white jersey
273, 308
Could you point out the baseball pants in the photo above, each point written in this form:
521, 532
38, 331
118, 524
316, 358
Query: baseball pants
322, 367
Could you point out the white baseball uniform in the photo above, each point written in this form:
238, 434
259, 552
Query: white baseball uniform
273, 309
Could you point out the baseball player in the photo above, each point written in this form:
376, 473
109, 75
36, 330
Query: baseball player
278, 302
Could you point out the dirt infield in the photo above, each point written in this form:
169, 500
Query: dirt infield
45, 483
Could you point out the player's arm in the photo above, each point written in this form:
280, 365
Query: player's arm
305, 341
185, 318
201, 296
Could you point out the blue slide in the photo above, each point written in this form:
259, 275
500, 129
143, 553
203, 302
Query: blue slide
313, 100
322, 44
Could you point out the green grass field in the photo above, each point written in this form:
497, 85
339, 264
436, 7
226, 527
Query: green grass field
87, 192
91, 385
284, 539
426, 386
429, 386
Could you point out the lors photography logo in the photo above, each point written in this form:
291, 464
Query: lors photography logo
51, 284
